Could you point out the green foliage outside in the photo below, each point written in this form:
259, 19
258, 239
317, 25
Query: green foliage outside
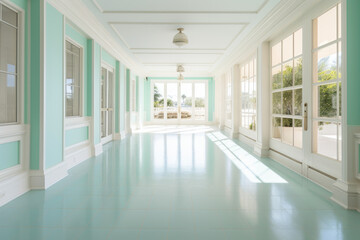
292, 76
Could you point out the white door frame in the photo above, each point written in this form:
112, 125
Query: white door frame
111, 135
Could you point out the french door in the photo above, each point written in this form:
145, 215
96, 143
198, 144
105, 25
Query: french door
306, 94
107, 103
184, 101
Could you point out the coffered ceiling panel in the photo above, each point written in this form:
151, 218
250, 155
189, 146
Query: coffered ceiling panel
180, 6
146, 29
159, 36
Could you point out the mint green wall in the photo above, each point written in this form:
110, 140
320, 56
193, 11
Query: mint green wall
128, 90
106, 57
96, 91
76, 135
122, 96
117, 97
54, 87
9, 154
211, 94
82, 40
35, 84
353, 53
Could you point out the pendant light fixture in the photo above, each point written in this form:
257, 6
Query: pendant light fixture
181, 77
180, 39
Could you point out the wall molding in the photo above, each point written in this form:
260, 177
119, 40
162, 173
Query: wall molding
97, 149
13, 187
45, 179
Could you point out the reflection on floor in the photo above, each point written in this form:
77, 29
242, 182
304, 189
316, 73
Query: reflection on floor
178, 183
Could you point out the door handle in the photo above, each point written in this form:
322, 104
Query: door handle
305, 116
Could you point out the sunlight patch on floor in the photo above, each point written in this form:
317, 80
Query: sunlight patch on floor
252, 168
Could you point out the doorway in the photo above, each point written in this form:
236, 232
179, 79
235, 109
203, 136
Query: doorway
107, 103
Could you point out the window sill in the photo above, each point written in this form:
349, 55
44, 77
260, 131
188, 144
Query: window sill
75, 122
12, 130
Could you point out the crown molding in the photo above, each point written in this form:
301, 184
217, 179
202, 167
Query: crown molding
273, 20
101, 10
83, 18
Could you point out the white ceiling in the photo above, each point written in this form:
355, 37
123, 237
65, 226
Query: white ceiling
146, 29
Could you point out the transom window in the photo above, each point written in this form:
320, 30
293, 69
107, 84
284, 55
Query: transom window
248, 94
8, 65
286, 87
73, 80
327, 83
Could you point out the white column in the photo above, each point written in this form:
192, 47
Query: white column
261, 147
222, 107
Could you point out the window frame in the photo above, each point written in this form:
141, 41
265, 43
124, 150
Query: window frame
338, 120
20, 58
81, 76
293, 88
253, 58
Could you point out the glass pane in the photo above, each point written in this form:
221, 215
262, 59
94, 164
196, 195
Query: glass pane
110, 121
186, 100
8, 49
288, 74
326, 60
276, 103
276, 54
328, 100
159, 100
339, 60
103, 124
325, 139
246, 70
172, 96
9, 15
76, 70
251, 69
288, 48
287, 102
110, 89
276, 130
298, 133
103, 88
298, 102
339, 20
340, 102
69, 69
8, 98
276, 77
298, 71
287, 131
199, 101
325, 29
298, 43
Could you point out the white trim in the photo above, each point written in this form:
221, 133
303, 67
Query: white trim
13, 187
44, 180
97, 149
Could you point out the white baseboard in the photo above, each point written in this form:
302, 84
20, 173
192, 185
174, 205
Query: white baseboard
261, 150
346, 195
97, 149
13, 187
77, 155
44, 180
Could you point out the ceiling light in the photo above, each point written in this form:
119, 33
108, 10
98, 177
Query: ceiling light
180, 69
180, 39
181, 77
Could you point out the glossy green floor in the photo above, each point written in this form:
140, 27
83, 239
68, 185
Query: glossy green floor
178, 183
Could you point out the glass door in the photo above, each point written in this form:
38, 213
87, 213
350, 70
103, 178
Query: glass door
107, 97
186, 101
172, 111
180, 101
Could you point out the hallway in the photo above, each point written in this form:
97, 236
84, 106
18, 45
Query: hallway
172, 182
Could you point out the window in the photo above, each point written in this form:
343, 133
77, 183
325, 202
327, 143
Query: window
133, 95
327, 84
73, 80
8, 65
248, 94
286, 85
